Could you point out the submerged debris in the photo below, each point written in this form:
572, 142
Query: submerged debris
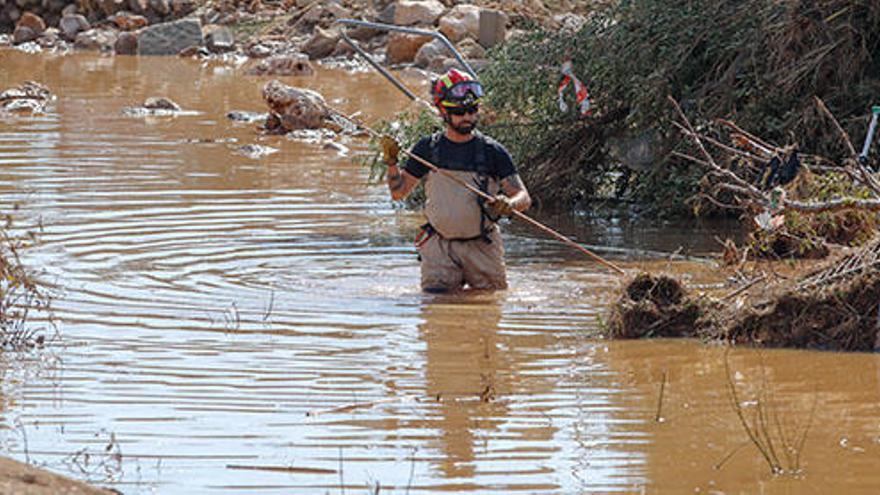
255, 150
834, 308
155, 106
655, 306
30, 97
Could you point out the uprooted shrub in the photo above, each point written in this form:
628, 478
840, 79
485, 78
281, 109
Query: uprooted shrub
758, 61
656, 306
836, 307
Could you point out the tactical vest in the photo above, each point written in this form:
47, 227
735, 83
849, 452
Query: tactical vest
453, 211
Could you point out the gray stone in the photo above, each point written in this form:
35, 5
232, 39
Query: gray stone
429, 52
493, 27
23, 34
461, 22
169, 38
219, 39
71, 25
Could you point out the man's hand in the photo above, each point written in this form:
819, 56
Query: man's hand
501, 206
390, 149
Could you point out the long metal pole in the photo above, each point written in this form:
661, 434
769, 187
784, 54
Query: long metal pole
420, 32
471, 188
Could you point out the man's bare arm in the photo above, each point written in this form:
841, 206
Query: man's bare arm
400, 183
517, 192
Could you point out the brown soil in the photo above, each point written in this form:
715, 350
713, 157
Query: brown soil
24, 479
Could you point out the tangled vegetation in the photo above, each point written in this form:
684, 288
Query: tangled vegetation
758, 62
19, 293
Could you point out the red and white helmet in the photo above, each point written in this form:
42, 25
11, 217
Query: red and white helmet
456, 89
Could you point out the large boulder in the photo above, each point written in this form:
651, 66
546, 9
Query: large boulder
463, 21
295, 108
170, 38
71, 25
417, 12
402, 47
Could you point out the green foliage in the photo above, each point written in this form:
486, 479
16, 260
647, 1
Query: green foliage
758, 62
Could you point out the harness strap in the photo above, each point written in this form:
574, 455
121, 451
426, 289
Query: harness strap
481, 164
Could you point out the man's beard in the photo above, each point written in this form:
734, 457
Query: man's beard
464, 128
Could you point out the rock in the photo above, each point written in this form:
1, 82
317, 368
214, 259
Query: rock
5, 40
181, 8
21, 106
294, 108
493, 27
386, 16
283, 65
258, 50
169, 38
140, 7
160, 103
110, 7
417, 12
33, 22
442, 64
30, 90
161, 7
402, 47
470, 49
322, 43
95, 39
337, 11
71, 25
218, 39
461, 22
343, 49
245, 116
126, 21
70, 9
30, 97
126, 44
255, 150
431, 51
23, 34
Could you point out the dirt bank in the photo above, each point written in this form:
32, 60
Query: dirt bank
23, 479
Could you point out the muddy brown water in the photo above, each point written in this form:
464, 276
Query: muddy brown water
220, 314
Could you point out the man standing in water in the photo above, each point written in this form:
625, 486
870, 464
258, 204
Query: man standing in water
461, 243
